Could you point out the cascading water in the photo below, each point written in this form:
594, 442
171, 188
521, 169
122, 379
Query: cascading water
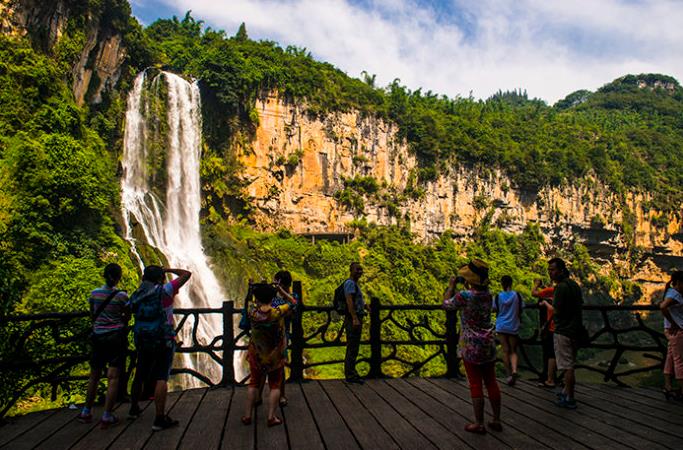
161, 157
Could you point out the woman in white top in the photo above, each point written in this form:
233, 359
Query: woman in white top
672, 309
508, 305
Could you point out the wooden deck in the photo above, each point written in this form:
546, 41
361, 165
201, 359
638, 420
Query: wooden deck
382, 414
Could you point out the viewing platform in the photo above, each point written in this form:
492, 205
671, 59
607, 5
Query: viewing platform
410, 413
414, 395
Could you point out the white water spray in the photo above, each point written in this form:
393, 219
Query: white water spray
171, 225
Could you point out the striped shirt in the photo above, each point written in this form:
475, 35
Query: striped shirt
111, 318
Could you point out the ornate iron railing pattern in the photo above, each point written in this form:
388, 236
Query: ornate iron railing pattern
47, 349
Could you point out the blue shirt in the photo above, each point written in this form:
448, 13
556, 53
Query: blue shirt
351, 287
508, 305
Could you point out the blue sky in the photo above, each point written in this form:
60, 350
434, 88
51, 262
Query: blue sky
457, 47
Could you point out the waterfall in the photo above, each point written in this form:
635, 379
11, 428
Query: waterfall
161, 195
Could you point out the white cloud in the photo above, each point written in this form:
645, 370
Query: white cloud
550, 48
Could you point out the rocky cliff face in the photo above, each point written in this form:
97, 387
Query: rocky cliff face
99, 64
45, 20
296, 164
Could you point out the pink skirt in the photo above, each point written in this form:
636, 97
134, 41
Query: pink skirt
673, 365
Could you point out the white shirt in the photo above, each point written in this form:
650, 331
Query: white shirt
676, 309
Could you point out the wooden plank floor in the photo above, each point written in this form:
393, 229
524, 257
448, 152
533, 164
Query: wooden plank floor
411, 413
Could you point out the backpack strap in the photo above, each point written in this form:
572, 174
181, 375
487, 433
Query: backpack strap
104, 304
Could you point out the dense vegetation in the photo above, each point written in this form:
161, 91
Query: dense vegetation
398, 271
58, 188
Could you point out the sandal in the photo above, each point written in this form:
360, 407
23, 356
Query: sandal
545, 384
495, 426
275, 421
246, 420
283, 402
475, 428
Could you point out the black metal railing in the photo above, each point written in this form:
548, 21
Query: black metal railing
51, 350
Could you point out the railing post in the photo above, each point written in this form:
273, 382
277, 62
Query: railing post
228, 345
296, 367
452, 338
375, 340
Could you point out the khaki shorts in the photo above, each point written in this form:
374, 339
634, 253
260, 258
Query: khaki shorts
565, 351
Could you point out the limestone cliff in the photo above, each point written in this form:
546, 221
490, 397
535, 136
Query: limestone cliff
297, 163
97, 68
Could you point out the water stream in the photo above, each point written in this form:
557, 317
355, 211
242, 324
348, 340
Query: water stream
161, 198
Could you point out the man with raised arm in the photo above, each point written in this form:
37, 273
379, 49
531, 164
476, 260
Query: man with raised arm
568, 316
152, 305
355, 310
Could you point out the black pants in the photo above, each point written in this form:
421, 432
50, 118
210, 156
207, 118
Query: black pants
548, 347
352, 346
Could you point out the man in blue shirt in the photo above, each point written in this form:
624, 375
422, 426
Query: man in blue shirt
353, 322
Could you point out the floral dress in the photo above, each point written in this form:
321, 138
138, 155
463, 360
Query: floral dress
477, 343
268, 342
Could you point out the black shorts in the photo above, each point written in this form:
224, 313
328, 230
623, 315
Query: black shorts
109, 349
155, 362
548, 346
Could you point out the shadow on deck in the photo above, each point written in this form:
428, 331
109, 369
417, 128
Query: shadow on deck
413, 413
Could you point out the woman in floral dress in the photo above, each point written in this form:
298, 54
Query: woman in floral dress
477, 344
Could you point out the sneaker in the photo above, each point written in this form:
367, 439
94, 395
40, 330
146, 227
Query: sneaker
164, 423
108, 422
564, 402
355, 380
134, 412
84, 418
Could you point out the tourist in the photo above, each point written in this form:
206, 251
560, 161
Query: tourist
284, 279
152, 304
508, 305
568, 316
110, 315
477, 346
672, 309
267, 345
353, 322
545, 298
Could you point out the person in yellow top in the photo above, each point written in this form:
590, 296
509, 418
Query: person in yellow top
266, 351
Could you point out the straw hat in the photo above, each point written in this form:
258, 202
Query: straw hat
475, 272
